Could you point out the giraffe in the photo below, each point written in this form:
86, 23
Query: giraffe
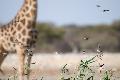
19, 34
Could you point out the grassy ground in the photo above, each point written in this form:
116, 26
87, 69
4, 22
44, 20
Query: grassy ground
49, 66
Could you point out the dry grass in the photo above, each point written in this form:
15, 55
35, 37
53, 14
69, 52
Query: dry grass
49, 65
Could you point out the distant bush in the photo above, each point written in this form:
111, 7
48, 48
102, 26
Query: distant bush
48, 34
116, 25
68, 38
108, 36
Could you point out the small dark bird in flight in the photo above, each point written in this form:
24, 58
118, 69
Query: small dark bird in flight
67, 79
101, 65
85, 38
33, 63
14, 68
106, 10
83, 52
98, 5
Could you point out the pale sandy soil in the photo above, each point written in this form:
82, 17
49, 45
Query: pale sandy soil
49, 65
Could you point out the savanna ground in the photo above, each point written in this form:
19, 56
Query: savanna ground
49, 66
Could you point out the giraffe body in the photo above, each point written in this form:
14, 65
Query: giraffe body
19, 34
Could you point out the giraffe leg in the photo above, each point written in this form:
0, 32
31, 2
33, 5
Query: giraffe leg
28, 64
2, 57
21, 59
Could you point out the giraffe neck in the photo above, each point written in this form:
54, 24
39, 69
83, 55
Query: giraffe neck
21, 28
28, 11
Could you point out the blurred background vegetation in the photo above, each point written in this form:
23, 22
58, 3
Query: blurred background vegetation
73, 38
76, 38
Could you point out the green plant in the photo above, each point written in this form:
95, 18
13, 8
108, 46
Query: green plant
106, 76
64, 71
15, 77
84, 71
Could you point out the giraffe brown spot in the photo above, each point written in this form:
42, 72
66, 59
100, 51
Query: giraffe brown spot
28, 41
23, 39
1, 29
24, 10
22, 15
14, 32
29, 24
28, 15
9, 44
26, 7
23, 21
35, 6
24, 32
26, 2
5, 33
19, 27
19, 36
13, 45
30, 33
11, 28
11, 39
33, 12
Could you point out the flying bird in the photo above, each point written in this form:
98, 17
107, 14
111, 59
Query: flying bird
85, 38
101, 65
106, 10
98, 5
33, 63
